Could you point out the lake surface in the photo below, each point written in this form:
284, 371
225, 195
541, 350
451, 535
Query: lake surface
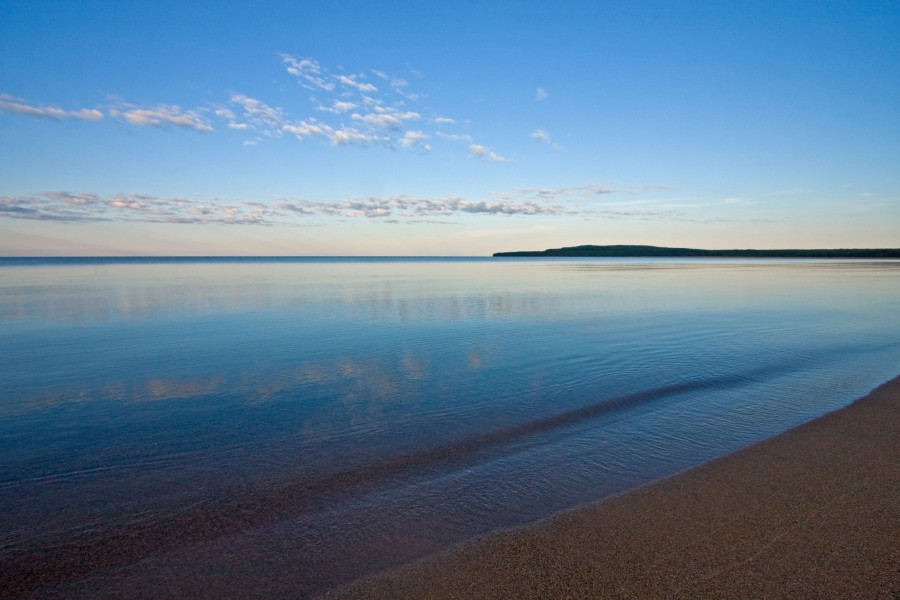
266, 428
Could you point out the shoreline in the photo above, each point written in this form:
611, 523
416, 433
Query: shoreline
813, 512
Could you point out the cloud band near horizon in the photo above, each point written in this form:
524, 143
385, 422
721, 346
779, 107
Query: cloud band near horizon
576, 201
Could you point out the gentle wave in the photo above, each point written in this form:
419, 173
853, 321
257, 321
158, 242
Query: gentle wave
163, 413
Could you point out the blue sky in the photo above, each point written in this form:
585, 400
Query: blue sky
405, 128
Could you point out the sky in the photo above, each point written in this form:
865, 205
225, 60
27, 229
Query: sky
445, 128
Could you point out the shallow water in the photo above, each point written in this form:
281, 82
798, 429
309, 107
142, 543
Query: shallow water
256, 428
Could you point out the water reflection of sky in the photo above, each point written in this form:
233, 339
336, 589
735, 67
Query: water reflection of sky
169, 375
409, 291
161, 332
125, 293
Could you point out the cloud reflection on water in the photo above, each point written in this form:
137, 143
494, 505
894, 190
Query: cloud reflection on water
453, 388
122, 293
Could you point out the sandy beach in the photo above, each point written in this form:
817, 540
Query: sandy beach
811, 513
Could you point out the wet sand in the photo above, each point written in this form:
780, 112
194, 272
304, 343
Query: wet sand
811, 513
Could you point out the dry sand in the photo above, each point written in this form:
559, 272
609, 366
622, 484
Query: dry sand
812, 513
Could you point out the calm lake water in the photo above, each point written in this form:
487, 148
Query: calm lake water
259, 428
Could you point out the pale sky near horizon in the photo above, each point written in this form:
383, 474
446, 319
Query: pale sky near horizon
436, 128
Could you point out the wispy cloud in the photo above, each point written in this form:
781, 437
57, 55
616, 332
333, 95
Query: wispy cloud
418, 207
386, 118
454, 137
228, 115
543, 137
308, 72
77, 207
359, 112
347, 136
258, 113
339, 107
90, 207
72, 207
416, 138
352, 81
267, 121
583, 201
400, 87
738, 201
22, 107
541, 94
344, 109
485, 153
577, 194
162, 115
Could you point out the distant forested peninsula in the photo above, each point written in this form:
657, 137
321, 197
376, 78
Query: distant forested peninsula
660, 252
